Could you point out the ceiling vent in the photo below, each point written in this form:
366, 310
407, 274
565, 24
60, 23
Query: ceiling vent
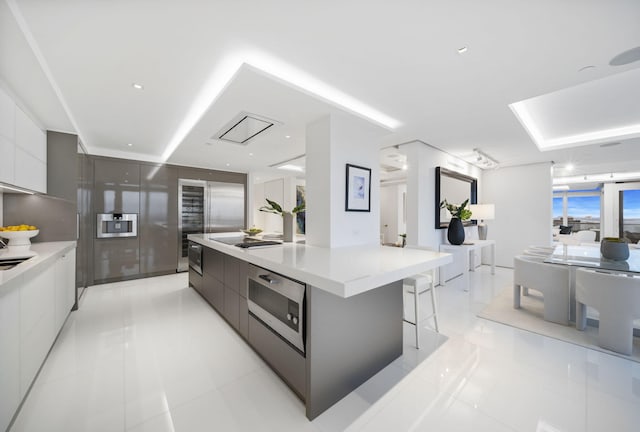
244, 127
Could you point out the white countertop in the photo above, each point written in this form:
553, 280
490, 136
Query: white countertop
344, 271
41, 254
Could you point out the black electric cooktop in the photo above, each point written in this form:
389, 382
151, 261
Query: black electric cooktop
245, 242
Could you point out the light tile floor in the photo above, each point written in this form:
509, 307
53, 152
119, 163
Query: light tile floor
150, 355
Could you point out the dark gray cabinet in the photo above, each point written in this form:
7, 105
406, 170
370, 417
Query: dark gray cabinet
231, 270
243, 311
232, 307
232, 296
213, 270
84, 249
213, 292
116, 259
213, 263
196, 281
62, 165
243, 318
116, 186
158, 219
287, 362
116, 190
224, 286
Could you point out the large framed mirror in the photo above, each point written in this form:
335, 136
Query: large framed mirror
455, 188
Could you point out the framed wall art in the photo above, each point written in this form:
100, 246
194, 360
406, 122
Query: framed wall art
358, 192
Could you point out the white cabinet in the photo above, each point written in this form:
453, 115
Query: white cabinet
24, 148
65, 287
33, 308
7, 117
8, 151
9, 355
37, 329
29, 172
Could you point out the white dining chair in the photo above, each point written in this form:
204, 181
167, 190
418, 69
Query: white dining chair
586, 236
616, 297
552, 281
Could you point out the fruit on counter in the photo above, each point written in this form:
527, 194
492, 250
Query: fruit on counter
22, 227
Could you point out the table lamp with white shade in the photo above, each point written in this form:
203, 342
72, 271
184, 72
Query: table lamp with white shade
481, 213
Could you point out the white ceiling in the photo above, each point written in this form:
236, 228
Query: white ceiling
399, 58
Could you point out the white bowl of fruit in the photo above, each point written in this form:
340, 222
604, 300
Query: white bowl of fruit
19, 235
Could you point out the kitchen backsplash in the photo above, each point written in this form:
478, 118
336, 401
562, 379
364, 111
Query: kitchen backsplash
55, 218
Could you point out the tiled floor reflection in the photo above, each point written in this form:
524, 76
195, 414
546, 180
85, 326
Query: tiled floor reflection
150, 355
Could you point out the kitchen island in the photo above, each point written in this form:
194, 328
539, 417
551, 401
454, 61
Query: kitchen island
352, 309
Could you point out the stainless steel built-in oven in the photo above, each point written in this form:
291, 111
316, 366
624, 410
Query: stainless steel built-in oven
110, 225
195, 257
278, 302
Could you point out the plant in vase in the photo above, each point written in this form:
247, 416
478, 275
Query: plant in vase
287, 217
455, 232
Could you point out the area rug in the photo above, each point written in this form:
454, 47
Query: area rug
529, 318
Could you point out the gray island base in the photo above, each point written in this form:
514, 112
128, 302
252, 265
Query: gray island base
352, 321
349, 340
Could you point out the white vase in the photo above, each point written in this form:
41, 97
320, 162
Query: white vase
288, 229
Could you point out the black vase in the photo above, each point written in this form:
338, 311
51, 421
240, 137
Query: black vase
455, 232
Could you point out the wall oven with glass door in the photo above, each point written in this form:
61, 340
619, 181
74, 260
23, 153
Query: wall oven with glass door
278, 302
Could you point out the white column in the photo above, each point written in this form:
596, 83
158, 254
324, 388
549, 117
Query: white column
333, 142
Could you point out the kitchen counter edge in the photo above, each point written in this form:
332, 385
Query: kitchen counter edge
42, 253
360, 280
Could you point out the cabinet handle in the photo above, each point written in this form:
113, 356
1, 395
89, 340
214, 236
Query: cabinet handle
268, 279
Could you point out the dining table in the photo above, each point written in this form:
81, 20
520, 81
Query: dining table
583, 255
588, 256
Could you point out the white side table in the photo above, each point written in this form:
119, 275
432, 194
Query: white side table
469, 257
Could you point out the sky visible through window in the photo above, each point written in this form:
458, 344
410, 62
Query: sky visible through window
631, 204
580, 207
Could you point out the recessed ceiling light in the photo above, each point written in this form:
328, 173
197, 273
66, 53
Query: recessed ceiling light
287, 136
250, 154
228, 164
462, 50
569, 167
404, 167
137, 86
129, 144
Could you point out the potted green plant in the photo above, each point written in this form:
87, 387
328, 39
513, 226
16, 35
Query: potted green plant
459, 213
287, 217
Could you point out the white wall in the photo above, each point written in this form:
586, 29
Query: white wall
282, 191
523, 199
331, 143
1, 208
422, 161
